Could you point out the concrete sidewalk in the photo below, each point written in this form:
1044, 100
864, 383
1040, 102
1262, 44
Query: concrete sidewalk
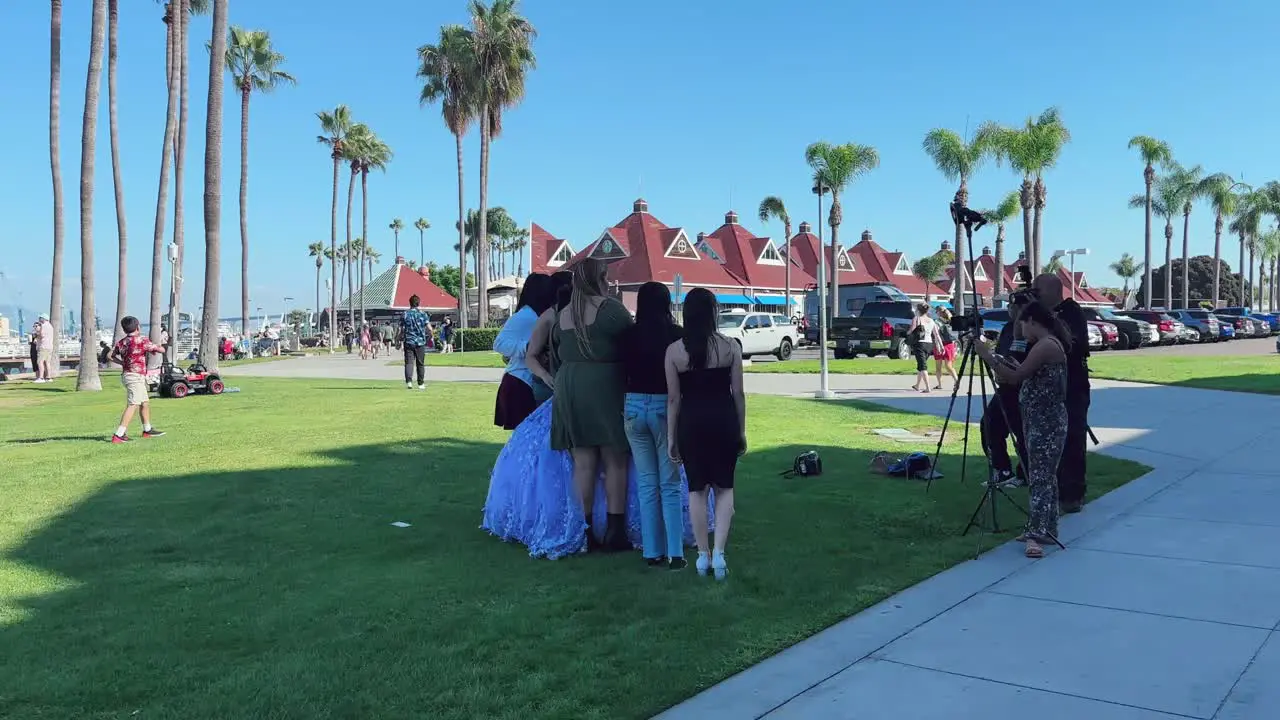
1165, 604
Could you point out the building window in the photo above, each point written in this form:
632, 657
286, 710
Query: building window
682, 246
979, 273
902, 268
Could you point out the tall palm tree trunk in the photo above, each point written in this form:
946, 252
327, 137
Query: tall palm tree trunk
421, 245
364, 231
1168, 264
55, 165
397, 234
1037, 237
835, 217
213, 188
1240, 269
482, 253
1186, 229
999, 259
122, 271
155, 318
1253, 286
319, 265
87, 378
1217, 258
1027, 198
333, 252
462, 244
351, 290
1149, 176
245, 89
179, 167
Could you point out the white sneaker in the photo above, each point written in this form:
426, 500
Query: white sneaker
703, 563
719, 566
41, 380
422, 387
408, 386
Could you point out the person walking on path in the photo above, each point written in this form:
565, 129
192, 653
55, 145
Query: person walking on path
130, 353
644, 348
706, 421
46, 343
413, 331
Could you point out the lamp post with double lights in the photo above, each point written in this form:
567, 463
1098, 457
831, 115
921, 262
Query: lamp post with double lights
1072, 253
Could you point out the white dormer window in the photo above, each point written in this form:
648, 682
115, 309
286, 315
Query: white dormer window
705, 248
562, 256
902, 268
769, 255
681, 248
979, 273
844, 262
1082, 284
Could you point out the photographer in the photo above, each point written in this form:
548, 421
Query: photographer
1071, 470
997, 425
1042, 381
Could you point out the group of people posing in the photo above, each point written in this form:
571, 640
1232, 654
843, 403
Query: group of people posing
640, 410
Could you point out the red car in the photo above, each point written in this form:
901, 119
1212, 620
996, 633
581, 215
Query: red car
1110, 334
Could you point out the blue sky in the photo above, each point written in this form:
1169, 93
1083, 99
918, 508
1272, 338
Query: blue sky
697, 106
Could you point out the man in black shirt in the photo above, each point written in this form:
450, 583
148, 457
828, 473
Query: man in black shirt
997, 426
1071, 468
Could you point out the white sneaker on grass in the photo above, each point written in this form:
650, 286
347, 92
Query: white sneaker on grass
408, 386
422, 387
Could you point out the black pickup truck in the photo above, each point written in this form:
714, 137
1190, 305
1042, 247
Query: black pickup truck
881, 327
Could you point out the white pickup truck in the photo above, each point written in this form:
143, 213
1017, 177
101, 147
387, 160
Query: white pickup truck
760, 333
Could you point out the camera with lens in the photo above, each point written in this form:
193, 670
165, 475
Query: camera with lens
966, 322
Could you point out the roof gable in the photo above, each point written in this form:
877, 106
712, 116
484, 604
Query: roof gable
678, 246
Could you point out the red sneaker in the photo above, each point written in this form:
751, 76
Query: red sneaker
116, 439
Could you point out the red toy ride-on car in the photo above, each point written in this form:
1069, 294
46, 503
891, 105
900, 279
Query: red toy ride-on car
177, 383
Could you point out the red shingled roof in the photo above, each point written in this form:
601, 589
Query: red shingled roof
804, 245
543, 247
640, 248
884, 267
741, 252
418, 282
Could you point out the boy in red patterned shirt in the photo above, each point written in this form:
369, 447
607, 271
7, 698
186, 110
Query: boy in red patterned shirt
130, 353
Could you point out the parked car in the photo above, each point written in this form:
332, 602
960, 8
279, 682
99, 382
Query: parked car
1226, 328
1095, 337
759, 333
1273, 319
1133, 333
1252, 326
1203, 322
1170, 329
851, 299
1109, 334
880, 328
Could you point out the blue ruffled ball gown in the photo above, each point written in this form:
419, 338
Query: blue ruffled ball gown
532, 500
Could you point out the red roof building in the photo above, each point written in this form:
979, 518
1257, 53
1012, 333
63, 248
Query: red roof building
547, 252
756, 260
805, 246
388, 294
891, 267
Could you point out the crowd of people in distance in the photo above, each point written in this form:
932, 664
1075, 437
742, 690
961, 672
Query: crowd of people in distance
636, 421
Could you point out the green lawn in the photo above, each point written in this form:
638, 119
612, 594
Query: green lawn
1243, 373
244, 566
481, 359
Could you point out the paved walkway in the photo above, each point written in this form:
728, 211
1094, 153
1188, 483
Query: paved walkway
1165, 605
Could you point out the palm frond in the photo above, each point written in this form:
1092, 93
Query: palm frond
1153, 152
955, 158
773, 207
1009, 208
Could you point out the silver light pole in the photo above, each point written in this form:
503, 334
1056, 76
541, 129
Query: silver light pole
824, 380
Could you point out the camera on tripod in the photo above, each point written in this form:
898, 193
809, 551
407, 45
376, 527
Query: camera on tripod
969, 321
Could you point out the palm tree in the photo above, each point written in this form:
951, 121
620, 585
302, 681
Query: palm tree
1250, 207
834, 167
1269, 250
496, 219
317, 251
1003, 213
1127, 269
502, 50
335, 127
396, 226
87, 378
1194, 186
55, 162
1029, 150
357, 258
354, 150
956, 160
930, 268
255, 66
1222, 198
1166, 203
113, 22
182, 32
422, 225
1154, 152
166, 153
374, 156
447, 73
213, 189
773, 207
1053, 266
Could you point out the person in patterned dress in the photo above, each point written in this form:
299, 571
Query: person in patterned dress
130, 353
1042, 394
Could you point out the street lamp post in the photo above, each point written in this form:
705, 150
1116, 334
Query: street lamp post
824, 380
1072, 254
171, 349
328, 288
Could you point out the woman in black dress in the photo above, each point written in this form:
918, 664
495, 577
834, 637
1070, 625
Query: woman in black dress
706, 421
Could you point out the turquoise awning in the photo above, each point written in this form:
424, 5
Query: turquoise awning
770, 300
727, 299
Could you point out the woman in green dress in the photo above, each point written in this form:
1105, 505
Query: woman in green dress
590, 388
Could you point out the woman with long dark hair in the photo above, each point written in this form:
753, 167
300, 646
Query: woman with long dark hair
644, 348
516, 393
706, 421
1042, 393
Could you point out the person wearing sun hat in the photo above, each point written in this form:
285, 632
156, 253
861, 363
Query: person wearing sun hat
44, 349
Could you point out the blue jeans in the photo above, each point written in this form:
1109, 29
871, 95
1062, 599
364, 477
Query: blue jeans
658, 479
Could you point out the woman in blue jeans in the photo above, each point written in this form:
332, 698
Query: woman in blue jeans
658, 479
